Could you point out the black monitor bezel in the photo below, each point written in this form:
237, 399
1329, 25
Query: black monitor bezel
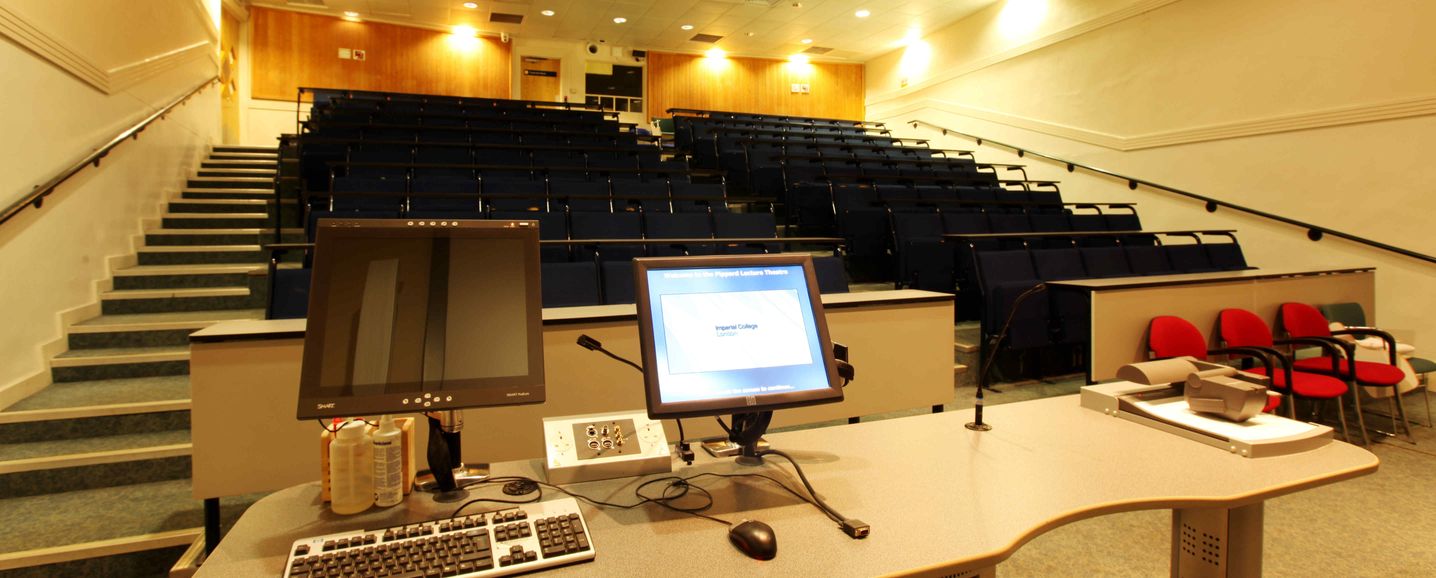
657, 409
514, 390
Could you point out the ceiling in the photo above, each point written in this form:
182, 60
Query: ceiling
771, 28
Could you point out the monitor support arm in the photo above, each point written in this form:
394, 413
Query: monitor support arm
447, 473
747, 429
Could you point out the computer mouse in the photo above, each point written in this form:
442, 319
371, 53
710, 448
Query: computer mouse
755, 539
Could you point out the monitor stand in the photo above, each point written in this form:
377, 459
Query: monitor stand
747, 433
448, 475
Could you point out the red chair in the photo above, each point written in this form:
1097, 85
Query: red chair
1169, 336
1303, 321
1242, 328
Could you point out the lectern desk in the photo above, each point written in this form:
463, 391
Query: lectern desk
941, 499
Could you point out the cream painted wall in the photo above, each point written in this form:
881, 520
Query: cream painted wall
54, 259
1322, 112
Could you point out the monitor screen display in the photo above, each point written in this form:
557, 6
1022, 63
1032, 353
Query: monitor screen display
410, 316
732, 335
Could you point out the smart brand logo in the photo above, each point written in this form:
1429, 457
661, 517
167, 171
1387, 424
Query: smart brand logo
329, 405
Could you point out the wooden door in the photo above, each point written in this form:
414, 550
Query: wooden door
540, 79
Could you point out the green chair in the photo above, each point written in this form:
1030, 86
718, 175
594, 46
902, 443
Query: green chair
1352, 315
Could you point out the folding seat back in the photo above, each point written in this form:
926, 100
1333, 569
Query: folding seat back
924, 259
1148, 260
1087, 222
377, 195
1226, 256
648, 197
444, 196
1006, 276
1105, 262
582, 196
505, 195
288, 294
617, 282
728, 225
588, 225
1122, 222
1009, 223
458, 161
570, 284
697, 197
679, 226
1188, 258
430, 136
832, 278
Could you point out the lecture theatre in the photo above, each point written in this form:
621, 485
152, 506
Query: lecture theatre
959, 288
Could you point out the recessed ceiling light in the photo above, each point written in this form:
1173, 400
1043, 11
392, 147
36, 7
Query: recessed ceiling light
351, 13
715, 52
686, 26
465, 31
862, 13
471, 5
547, 12
798, 59
620, 20
806, 41
750, 34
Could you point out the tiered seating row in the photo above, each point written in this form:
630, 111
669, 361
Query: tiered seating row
1006, 265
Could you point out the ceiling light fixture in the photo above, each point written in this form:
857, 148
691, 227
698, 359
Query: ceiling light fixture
547, 12
715, 52
806, 41
862, 13
471, 5
798, 59
620, 20
351, 13
686, 26
466, 31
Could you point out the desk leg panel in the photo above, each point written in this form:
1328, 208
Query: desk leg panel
1217, 542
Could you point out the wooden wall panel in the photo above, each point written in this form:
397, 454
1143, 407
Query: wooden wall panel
291, 49
756, 85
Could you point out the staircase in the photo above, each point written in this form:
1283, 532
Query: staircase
94, 469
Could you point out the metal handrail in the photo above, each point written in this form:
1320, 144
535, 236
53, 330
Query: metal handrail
1313, 232
36, 198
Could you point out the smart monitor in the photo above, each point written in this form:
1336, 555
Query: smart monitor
409, 316
739, 334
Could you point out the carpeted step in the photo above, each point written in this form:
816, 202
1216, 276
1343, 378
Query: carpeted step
267, 173
219, 206
119, 362
165, 329
238, 236
239, 164
246, 194
169, 300
229, 182
189, 276
216, 221
197, 254
233, 148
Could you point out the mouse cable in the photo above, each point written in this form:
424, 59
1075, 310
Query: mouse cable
680, 484
853, 527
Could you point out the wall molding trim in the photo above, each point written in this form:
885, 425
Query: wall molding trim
35, 40
1063, 35
52, 50
1330, 117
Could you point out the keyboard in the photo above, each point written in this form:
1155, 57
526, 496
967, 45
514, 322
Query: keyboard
499, 543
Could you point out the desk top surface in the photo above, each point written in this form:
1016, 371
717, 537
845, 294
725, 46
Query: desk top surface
1193, 278
935, 494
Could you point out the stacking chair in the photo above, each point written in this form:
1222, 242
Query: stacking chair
1240, 328
1352, 315
1169, 336
1304, 322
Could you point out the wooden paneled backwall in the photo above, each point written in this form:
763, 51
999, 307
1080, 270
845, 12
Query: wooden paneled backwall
291, 49
756, 85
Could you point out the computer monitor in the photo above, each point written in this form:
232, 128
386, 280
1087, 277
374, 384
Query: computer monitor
740, 334
409, 316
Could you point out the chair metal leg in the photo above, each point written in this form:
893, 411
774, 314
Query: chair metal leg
1426, 391
1341, 411
1401, 409
1360, 419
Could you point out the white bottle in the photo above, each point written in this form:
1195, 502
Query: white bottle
351, 470
388, 463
